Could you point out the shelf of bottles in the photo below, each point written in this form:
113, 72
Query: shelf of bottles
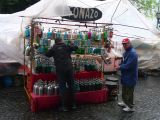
84, 64
91, 84
82, 84
45, 88
89, 43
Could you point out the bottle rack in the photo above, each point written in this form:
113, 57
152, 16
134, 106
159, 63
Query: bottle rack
88, 75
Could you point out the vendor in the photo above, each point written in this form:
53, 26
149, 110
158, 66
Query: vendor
64, 70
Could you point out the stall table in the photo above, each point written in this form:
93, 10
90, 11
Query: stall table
46, 102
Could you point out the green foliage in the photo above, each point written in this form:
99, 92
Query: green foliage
147, 7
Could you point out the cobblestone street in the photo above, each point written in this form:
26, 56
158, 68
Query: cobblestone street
14, 106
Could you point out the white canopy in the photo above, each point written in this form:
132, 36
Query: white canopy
126, 20
12, 26
122, 14
48, 9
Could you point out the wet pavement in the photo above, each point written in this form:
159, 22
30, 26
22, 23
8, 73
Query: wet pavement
14, 106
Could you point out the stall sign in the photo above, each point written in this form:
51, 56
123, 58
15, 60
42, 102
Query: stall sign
84, 14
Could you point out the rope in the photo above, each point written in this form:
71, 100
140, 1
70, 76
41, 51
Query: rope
115, 10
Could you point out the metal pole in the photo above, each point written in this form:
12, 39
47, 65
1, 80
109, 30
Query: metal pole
32, 39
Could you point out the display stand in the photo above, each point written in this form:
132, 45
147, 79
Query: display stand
49, 102
40, 102
46, 102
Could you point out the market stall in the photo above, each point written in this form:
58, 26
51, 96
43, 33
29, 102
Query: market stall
41, 86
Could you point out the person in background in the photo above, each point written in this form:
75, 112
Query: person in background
129, 75
64, 71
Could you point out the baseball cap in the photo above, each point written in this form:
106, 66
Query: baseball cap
125, 40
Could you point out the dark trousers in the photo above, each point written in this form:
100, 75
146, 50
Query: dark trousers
127, 95
66, 87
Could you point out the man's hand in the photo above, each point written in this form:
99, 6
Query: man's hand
35, 45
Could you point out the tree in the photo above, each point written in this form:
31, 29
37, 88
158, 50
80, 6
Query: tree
147, 7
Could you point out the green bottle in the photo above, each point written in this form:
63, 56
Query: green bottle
105, 36
86, 36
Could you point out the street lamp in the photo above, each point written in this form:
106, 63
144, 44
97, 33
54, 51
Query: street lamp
158, 20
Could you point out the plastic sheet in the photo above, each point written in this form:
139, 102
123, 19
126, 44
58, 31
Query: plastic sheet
12, 26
